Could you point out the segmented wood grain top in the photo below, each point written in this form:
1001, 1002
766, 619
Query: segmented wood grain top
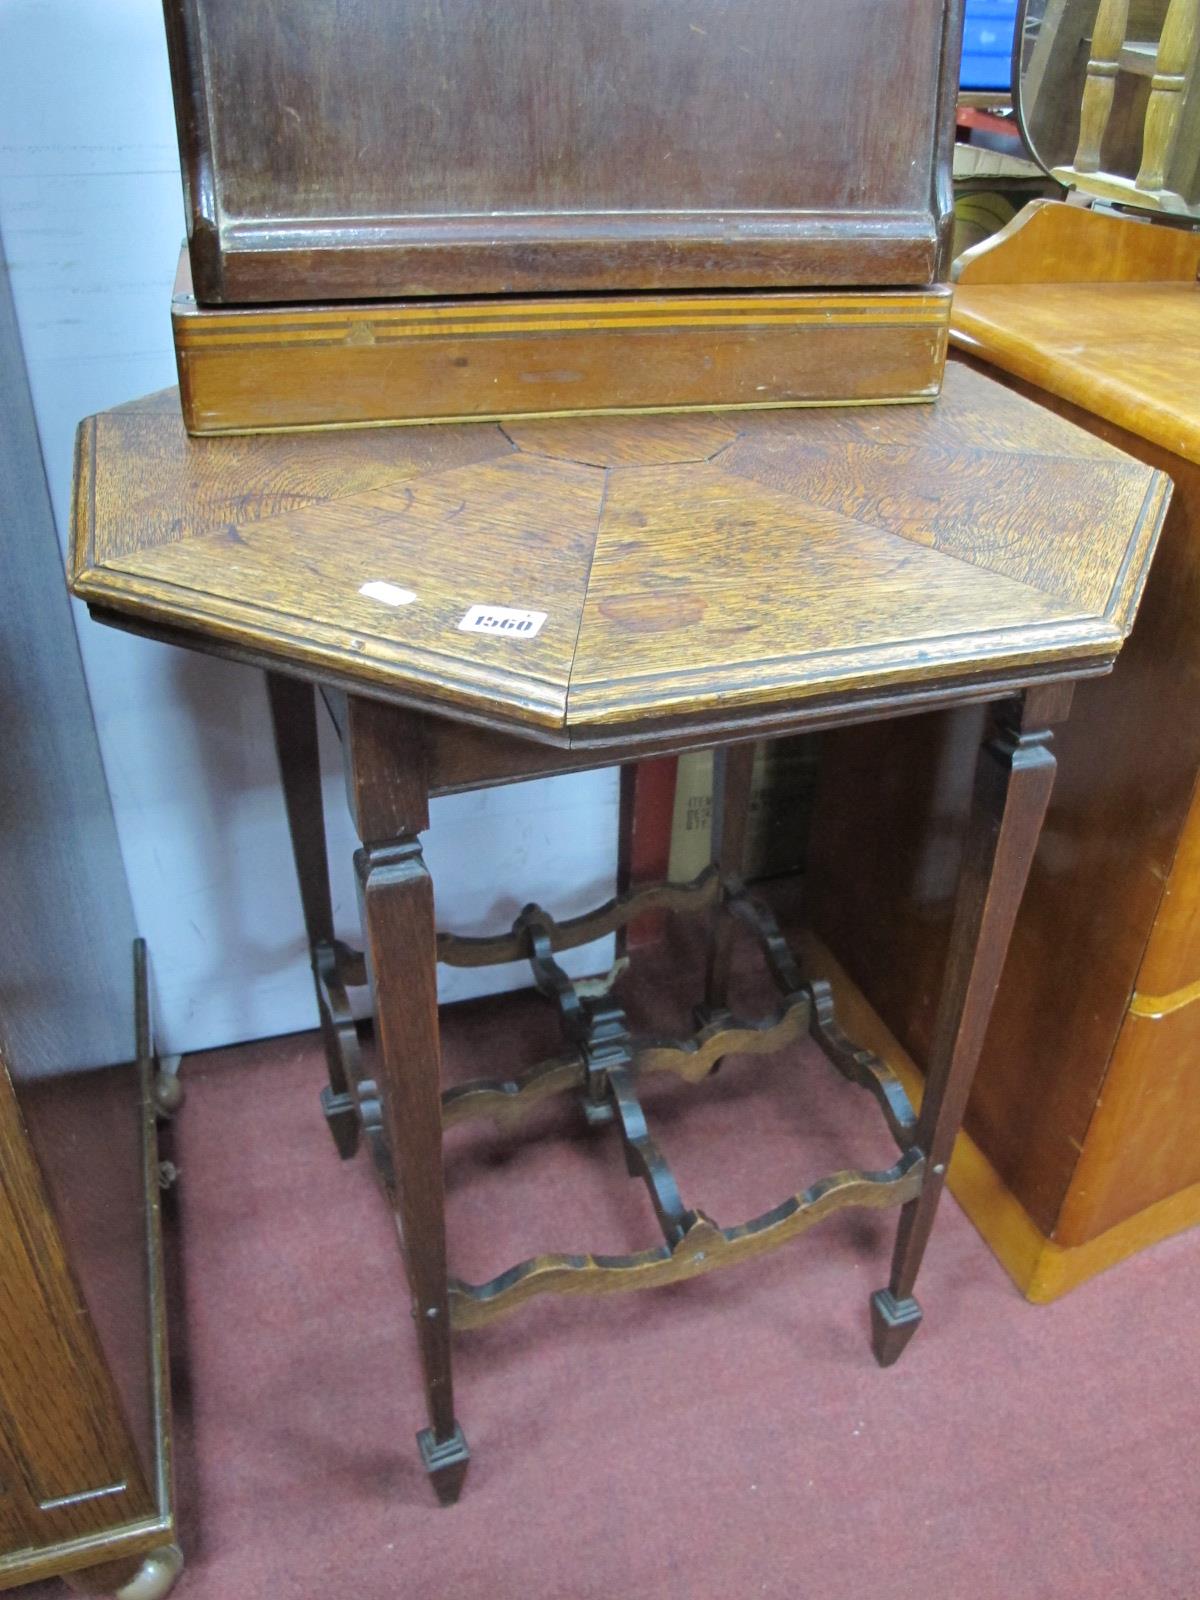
694, 571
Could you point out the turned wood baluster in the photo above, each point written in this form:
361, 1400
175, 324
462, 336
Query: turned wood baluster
1013, 780
388, 785
1107, 38
1176, 46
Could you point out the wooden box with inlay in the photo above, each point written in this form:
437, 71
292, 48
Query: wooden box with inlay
403, 212
250, 369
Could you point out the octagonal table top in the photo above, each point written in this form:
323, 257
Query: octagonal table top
594, 580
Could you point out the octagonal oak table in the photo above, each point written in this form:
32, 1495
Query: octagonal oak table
483, 603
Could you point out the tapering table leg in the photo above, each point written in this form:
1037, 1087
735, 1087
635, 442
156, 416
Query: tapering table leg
733, 768
294, 721
1013, 780
389, 800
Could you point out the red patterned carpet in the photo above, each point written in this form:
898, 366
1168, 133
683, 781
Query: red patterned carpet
728, 1437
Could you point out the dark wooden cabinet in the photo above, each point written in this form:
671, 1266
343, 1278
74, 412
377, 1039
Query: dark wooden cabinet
385, 148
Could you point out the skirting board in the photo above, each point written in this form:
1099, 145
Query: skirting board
257, 369
1040, 1268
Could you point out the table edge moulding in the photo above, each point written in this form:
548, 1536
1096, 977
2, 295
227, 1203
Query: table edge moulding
569, 686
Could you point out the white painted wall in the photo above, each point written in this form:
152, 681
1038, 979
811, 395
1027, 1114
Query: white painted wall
92, 219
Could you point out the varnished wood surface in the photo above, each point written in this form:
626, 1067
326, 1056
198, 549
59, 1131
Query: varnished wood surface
1142, 1145
396, 896
887, 834
387, 784
1049, 241
886, 840
551, 147
1170, 968
1124, 345
1131, 353
704, 1248
693, 570
1013, 778
507, 1100
71, 1473
1137, 1151
253, 369
460, 950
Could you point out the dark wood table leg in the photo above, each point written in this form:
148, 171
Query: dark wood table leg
294, 721
733, 768
1012, 787
389, 798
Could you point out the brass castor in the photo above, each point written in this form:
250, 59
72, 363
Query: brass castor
168, 1091
148, 1578
155, 1577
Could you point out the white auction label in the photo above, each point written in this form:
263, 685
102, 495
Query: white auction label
390, 593
503, 620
